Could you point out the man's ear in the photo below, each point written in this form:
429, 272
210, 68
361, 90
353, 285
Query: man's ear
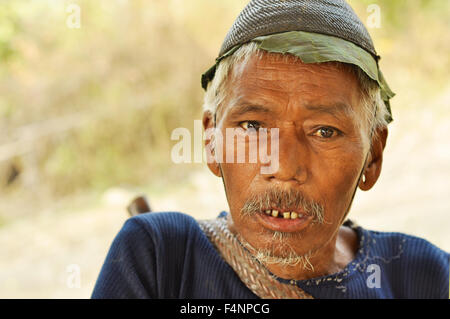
375, 161
210, 143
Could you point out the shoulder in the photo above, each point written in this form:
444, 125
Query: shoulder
149, 249
152, 232
410, 246
419, 266
165, 226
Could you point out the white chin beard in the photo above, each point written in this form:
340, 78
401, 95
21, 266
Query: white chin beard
268, 257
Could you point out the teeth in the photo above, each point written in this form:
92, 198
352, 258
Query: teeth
285, 215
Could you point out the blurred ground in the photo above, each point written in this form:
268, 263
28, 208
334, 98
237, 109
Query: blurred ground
88, 114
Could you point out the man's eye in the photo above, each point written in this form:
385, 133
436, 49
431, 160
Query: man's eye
326, 132
250, 125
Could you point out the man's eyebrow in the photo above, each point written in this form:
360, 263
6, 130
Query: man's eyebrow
243, 108
333, 109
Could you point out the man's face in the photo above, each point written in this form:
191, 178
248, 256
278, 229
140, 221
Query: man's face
321, 150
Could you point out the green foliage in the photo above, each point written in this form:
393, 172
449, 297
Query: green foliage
121, 72
9, 27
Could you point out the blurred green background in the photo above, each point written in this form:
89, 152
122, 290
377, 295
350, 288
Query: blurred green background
86, 116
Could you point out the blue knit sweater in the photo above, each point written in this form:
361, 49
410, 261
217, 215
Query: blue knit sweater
166, 255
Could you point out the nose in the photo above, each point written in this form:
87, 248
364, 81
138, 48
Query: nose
293, 158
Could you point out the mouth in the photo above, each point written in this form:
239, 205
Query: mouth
284, 220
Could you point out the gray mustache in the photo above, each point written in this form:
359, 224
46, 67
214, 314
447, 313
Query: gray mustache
283, 199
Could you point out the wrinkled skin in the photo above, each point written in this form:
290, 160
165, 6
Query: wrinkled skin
321, 153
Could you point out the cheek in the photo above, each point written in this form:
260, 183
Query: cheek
239, 179
336, 181
240, 167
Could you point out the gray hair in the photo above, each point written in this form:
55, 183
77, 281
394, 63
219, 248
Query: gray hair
372, 117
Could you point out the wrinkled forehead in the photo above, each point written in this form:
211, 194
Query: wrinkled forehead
286, 68
269, 76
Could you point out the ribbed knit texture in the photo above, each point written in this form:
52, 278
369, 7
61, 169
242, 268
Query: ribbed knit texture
166, 255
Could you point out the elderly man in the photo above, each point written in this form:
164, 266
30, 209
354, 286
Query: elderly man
304, 75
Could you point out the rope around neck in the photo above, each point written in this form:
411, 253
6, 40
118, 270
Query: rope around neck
254, 275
